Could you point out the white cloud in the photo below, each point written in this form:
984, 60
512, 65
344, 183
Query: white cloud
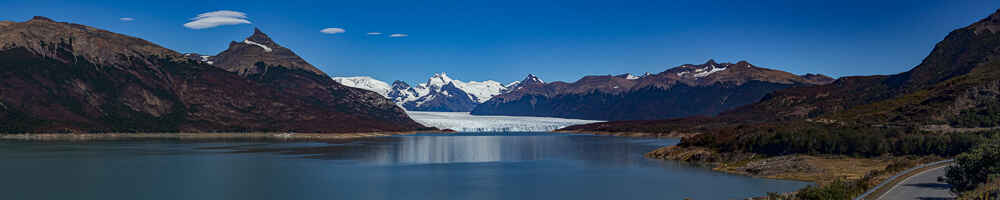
126, 19
332, 30
217, 18
221, 13
398, 35
374, 33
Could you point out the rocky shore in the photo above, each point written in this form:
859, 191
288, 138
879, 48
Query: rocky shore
201, 136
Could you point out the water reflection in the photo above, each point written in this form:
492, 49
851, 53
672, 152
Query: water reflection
473, 148
432, 167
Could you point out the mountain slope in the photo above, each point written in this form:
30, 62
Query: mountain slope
687, 90
958, 75
956, 86
61, 77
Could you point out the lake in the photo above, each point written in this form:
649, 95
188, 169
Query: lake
430, 166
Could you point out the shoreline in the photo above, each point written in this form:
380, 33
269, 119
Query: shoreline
202, 136
630, 134
815, 169
820, 170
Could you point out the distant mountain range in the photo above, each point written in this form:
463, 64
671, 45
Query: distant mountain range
439, 93
62, 77
956, 86
687, 90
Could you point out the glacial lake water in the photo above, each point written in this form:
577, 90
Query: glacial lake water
433, 167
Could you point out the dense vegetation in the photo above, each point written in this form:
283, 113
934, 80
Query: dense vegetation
987, 191
839, 189
986, 117
977, 175
976, 167
814, 138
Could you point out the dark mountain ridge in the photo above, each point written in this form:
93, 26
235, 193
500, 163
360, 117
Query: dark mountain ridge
687, 90
933, 92
62, 77
956, 85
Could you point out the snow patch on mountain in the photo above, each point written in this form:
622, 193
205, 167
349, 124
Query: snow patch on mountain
367, 83
699, 73
512, 84
464, 122
481, 91
533, 78
267, 49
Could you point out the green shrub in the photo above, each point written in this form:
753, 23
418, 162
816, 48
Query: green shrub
975, 167
986, 116
988, 191
839, 189
805, 138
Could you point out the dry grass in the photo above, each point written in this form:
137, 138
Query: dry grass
827, 168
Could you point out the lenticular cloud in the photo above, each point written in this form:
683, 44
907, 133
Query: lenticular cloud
217, 18
332, 30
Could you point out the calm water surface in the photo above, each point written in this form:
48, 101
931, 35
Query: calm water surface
459, 166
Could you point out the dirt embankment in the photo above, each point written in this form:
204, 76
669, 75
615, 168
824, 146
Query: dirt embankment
817, 169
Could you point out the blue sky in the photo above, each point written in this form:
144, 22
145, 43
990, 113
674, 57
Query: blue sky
556, 40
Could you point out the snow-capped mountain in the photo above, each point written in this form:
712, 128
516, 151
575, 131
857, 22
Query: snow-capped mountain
365, 82
687, 90
439, 93
629, 76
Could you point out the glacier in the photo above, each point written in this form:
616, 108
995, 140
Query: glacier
465, 122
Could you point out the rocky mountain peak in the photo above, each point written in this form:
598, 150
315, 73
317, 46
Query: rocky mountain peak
532, 79
41, 18
242, 57
710, 62
260, 37
400, 85
439, 79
